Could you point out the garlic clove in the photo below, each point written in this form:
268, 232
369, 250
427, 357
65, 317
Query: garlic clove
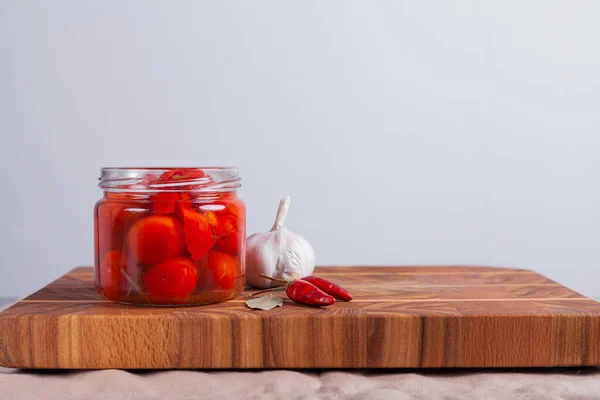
279, 253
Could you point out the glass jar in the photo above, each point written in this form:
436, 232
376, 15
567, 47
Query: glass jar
169, 236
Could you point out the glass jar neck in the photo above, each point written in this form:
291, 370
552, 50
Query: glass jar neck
196, 197
201, 181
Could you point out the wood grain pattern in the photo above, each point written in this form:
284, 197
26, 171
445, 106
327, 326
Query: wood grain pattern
403, 317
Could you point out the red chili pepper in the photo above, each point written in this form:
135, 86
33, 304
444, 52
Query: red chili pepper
329, 287
305, 292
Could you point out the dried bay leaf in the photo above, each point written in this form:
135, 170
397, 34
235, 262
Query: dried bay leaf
265, 302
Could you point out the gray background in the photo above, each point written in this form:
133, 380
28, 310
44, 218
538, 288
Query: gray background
406, 132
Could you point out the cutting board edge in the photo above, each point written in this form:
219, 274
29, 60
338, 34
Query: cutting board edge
418, 351
567, 331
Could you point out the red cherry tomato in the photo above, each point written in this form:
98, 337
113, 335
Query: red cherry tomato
199, 237
105, 214
113, 219
218, 270
170, 281
123, 220
155, 239
231, 230
112, 281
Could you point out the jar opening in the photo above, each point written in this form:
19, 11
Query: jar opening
169, 179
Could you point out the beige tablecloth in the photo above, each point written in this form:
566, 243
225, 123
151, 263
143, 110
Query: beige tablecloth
287, 385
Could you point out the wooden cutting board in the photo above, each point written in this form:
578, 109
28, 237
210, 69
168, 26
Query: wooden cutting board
406, 317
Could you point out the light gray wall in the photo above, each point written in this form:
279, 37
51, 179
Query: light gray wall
406, 132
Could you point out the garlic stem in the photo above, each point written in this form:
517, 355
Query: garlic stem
274, 279
284, 205
275, 289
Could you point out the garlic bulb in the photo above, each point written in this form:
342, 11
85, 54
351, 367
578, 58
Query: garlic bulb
280, 253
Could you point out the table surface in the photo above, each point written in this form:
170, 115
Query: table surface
550, 383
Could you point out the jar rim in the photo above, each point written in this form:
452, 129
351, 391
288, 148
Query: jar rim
144, 179
165, 169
